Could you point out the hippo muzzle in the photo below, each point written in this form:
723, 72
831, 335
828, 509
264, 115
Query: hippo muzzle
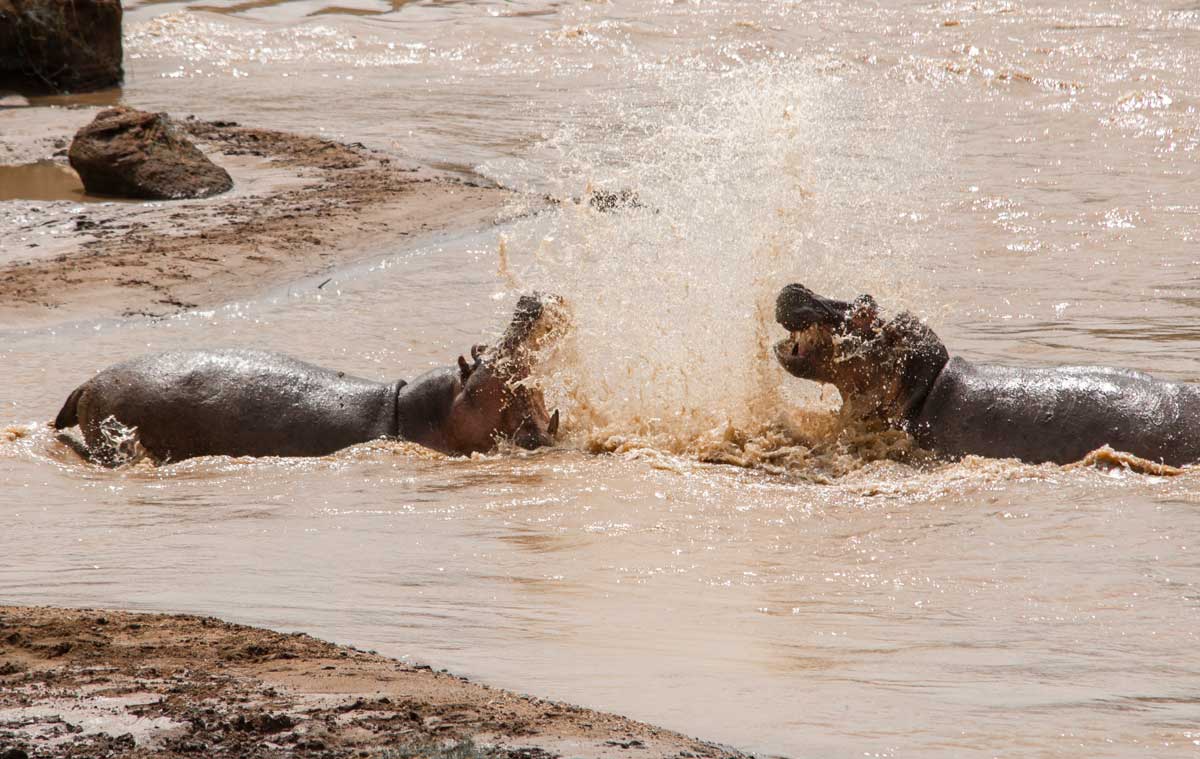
798, 309
818, 327
881, 368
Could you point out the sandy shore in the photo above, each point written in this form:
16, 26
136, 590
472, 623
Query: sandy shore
76, 683
300, 206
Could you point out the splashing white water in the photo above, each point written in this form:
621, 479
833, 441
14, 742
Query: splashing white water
741, 181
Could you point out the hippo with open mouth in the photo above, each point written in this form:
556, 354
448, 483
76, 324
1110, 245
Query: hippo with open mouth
254, 403
898, 372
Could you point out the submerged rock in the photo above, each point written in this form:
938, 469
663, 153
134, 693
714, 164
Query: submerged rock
135, 154
57, 46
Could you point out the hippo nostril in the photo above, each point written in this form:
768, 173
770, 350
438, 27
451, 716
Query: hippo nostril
796, 349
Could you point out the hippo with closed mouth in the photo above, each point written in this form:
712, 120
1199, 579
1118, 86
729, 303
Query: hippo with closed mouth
896, 371
182, 404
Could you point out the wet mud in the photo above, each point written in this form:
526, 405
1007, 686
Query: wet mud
88, 683
324, 203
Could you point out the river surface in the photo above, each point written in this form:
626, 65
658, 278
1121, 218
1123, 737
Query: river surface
1023, 175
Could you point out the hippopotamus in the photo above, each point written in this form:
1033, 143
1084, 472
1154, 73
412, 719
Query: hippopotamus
181, 404
897, 372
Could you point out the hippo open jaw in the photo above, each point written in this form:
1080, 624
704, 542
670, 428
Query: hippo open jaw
814, 323
803, 349
882, 367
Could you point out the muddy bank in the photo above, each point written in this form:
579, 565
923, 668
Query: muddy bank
104, 683
301, 205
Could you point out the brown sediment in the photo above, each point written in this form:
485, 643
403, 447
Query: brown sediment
117, 684
1105, 457
307, 204
815, 446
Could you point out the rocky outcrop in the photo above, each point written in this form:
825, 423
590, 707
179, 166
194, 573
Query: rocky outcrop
135, 154
60, 45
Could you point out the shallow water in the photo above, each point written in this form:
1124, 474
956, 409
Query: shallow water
1023, 175
45, 180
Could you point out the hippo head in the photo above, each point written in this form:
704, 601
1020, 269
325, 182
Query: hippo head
882, 368
496, 401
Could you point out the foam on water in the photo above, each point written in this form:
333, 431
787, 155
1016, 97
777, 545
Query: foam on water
738, 181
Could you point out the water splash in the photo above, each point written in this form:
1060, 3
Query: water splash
736, 183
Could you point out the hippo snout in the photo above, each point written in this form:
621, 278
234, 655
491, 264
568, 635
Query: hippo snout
532, 435
534, 441
533, 438
797, 308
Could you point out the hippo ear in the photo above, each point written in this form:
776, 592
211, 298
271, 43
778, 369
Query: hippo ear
477, 352
464, 369
552, 428
864, 313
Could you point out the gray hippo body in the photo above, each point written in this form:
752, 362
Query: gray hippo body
252, 403
182, 404
1058, 414
898, 372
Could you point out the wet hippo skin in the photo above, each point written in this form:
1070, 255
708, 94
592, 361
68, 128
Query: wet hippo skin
898, 372
1057, 415
237, 403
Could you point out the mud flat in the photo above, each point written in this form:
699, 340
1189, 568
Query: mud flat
84, 682
300, 205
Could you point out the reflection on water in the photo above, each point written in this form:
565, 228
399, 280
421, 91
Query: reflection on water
1015, 174
99, 98
392, 7
376, 8
302, 7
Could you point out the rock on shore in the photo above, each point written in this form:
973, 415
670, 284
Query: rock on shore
57, 46
136, 154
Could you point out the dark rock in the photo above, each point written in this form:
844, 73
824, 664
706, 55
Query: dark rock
59, 46
263, 723
56, 650
135, 154
10, 668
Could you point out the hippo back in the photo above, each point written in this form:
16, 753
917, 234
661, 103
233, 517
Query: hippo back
237, 403
1057, 415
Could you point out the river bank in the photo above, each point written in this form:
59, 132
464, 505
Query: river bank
301, 205
84, 682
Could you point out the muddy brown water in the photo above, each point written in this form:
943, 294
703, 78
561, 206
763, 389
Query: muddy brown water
1023, 175
45, 180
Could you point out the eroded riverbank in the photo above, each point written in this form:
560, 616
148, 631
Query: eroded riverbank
85, 682
300, 206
